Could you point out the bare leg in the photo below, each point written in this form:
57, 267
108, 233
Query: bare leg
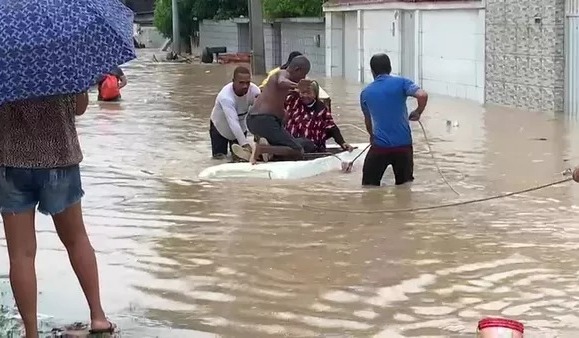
21, 242
71, 231
285, 152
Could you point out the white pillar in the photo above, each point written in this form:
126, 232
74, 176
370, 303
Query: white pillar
329, 39
360, 25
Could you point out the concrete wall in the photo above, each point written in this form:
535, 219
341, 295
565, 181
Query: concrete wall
525, 61
219, 34
308, 38
306, 35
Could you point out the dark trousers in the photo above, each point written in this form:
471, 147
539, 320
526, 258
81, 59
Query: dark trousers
379, 159
219, 144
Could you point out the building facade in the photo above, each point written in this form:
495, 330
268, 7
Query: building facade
525, 54
517, 53
438, 45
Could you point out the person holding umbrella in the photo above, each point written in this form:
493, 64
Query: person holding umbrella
45, 72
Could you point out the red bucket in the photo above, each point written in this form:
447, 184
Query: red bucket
497, 327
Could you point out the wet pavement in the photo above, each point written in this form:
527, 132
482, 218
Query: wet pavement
180, 257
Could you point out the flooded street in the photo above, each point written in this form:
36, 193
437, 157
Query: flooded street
181, 257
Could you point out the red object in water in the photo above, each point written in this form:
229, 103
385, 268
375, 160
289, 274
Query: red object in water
109, 88
486, 323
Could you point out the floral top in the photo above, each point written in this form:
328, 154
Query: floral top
312, 122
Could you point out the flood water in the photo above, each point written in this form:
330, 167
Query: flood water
181, 257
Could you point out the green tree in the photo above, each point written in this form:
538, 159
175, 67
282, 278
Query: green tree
191, 12
275, 9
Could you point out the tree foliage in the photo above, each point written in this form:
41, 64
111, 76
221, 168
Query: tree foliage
275, 9
191, 12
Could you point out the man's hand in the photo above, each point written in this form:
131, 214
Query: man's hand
414, 116
304, 85
347, 147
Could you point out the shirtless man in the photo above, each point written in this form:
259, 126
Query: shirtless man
266, 117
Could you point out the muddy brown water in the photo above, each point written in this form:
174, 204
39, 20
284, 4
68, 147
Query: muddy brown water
181, 257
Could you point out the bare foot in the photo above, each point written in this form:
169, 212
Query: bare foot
254, 154
264, 156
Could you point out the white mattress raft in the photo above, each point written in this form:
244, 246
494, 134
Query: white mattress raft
284, 170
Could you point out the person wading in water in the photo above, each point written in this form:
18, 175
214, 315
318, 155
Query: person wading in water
265, 119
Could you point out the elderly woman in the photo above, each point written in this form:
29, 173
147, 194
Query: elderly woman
39, 168
310, 121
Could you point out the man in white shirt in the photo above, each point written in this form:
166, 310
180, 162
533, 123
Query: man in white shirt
228, 118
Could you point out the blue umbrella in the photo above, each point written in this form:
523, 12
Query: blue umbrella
51, 47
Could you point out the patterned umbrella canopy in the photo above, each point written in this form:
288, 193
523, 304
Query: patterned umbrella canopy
51, 47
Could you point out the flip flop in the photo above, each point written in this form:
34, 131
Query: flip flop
110, 330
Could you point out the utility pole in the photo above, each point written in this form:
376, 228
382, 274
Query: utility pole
257, 40
176, 33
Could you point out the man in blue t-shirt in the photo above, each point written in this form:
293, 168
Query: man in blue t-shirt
383, 103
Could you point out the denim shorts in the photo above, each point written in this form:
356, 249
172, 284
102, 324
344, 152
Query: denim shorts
52, 190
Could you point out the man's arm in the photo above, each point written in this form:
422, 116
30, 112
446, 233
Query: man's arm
283, 82
81, 103
121, 76
122, 81
367, 117
230, 112
411, 89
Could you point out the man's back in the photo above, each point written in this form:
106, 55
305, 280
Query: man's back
384, 100
272, 98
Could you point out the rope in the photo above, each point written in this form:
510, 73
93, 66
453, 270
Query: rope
434, 159
427, 140
439, 206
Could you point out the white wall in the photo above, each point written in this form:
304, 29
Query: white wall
448, 50
381, 35
350, 46
452, 53
334, 44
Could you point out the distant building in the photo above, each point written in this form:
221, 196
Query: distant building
146, 33
515, 53
144, 10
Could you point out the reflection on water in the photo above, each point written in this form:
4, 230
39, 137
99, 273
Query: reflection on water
182, 257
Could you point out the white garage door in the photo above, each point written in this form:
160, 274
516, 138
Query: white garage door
351, 46
381, 35
453, 53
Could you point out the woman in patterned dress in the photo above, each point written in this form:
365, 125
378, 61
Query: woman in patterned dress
39, 168
310, 121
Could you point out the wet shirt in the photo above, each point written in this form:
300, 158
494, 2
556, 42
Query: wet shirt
384, 101
312, 122
39, 133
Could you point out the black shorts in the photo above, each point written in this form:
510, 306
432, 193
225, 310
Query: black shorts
270, 128
378, 160
219, 144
